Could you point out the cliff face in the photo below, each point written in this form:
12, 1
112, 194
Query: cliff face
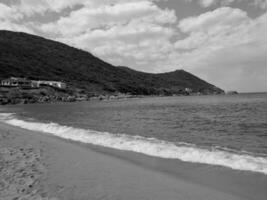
24, 55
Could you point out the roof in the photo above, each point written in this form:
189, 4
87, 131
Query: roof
16, 79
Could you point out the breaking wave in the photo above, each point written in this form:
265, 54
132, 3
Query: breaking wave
149, 146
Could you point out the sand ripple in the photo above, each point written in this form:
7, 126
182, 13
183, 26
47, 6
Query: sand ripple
21, 170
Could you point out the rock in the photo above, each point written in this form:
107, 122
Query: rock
232, 92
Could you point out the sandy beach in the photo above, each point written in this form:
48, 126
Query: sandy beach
38, 166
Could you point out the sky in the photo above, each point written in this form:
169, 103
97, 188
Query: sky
222, 41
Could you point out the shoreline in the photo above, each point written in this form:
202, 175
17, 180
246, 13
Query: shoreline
49, 99
82, 171
73, 99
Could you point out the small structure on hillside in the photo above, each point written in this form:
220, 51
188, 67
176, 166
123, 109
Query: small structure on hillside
56, 84
17, 82
188, 90
26, 83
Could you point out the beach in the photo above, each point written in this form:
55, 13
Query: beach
133, 100
61, 169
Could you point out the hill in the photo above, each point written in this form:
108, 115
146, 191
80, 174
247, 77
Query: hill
34, 57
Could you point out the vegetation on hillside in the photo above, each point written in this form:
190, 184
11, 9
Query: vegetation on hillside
25, 55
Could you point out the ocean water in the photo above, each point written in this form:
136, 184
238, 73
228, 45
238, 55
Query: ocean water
229, 131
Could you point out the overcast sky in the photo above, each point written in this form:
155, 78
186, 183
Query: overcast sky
221, 41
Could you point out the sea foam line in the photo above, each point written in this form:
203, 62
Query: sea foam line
148, 146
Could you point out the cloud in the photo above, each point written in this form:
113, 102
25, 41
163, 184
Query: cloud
9, 13
106, 16
132, 30
208, 3
41, 7
9, 17
222, 17
33, 7
4, 25
226, 47
211, 27
261, 3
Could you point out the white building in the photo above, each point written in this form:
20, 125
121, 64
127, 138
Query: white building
56, 84
189, 90
16, 82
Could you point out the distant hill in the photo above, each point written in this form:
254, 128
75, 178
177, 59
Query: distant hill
25, 55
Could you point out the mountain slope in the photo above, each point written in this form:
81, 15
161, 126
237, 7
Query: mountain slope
25, 55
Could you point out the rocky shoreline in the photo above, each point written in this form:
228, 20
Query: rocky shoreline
51, 95
54, 99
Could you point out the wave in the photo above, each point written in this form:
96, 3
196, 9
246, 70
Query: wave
149, 146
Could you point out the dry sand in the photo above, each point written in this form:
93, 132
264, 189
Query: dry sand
39, 166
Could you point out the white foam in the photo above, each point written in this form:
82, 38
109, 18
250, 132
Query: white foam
148, 146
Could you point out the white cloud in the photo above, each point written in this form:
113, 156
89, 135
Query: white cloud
222, 17
261, 3
226, 47
212, 27
32, 7
130, 30
40, 7
4, 25
8, 13
106, 16
8, 18
207, 3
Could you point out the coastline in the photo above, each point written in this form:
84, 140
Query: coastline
37, 96
81, 171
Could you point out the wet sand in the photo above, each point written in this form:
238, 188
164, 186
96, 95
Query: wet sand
39, 166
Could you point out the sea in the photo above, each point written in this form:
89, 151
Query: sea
224, 130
